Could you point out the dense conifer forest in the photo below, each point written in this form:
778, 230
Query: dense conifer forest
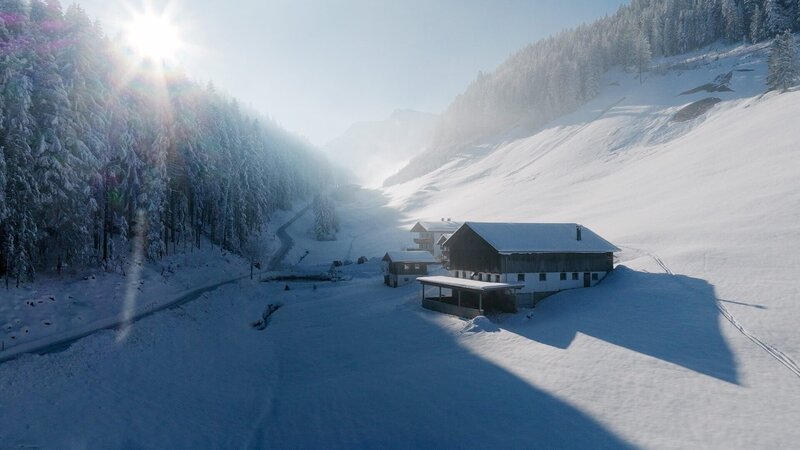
97, 149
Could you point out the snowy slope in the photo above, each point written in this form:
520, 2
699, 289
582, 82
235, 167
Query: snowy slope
687, 344
715, 197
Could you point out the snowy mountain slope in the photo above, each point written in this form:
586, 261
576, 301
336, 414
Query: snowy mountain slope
373, 150
716, 197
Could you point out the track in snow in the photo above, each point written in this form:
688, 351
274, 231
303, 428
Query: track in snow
62, 344
782, 358
286, 241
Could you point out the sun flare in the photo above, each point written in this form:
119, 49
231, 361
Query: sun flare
154, 37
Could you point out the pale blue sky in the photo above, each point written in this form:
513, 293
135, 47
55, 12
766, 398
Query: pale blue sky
317, 66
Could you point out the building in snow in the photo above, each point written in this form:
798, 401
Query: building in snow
404, 267
512, 265
430, 232
442, 249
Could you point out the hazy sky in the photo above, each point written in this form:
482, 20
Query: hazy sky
317, 66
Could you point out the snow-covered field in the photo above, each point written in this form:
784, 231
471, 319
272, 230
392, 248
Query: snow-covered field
688, 343
56, 307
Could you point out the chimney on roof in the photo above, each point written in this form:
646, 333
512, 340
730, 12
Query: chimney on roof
578, 230
442, 219
448, 219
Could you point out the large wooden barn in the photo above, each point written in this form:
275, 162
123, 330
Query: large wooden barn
512, 265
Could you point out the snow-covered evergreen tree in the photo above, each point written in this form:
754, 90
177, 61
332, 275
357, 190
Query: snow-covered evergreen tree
21, 230
85, 158
783, 70
642, 53
326, 223
63, 161
776, 17
733, 16
757, 25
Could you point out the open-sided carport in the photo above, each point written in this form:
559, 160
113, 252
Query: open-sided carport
456, 304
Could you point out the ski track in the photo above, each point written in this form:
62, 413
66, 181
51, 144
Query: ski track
782, 358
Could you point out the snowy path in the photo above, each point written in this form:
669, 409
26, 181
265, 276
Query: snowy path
286, 240
60, 341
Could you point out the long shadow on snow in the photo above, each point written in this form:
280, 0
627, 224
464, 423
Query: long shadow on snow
670, 317
398, 380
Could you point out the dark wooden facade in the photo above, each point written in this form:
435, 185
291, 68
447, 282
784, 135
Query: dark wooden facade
469, 251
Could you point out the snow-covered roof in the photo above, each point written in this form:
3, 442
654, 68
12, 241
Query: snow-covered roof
433, 226
410, 256
443, 238
465, 283
541, 238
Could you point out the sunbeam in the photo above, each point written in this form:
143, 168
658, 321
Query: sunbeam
135, 272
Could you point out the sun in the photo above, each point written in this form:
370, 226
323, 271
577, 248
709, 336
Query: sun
154, 37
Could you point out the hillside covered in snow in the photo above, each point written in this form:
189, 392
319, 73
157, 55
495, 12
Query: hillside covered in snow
689, 167
715, 191
704, 197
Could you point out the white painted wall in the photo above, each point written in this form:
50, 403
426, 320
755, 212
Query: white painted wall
532, 284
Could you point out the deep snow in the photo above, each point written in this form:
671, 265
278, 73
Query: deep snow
705, 212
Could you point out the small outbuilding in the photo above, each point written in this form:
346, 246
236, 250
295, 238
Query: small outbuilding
404, 267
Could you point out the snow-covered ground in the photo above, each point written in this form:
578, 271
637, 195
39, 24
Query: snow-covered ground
367, 228
58, 307
715, 197
688, 343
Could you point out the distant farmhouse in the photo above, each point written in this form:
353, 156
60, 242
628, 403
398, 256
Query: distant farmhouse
404, 267
445, 257
429, 234
506, 266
